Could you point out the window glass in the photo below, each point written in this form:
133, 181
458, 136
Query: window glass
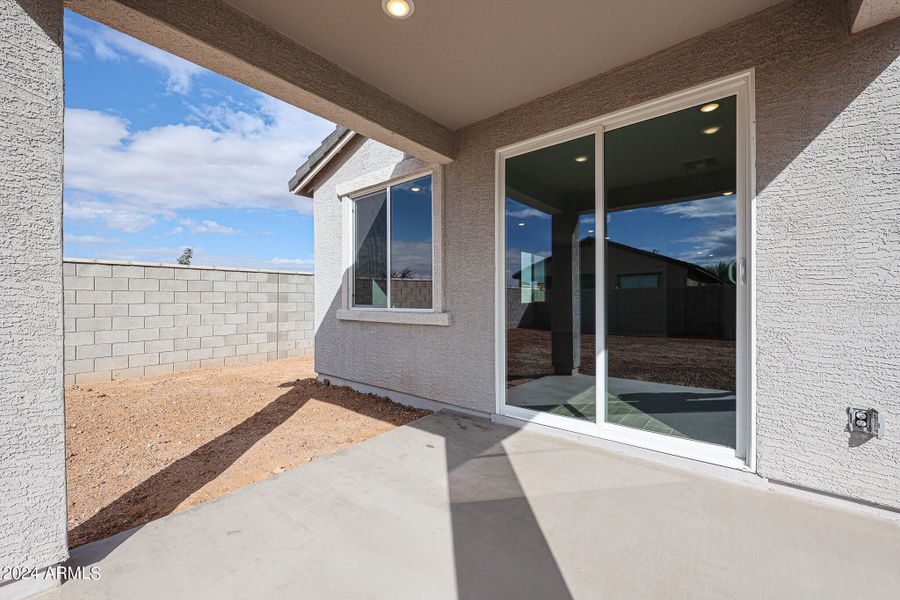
631, 282
671, 295
370, 256
551, 242
411, 268
392, 264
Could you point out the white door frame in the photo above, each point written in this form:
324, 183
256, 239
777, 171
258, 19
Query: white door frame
743, 456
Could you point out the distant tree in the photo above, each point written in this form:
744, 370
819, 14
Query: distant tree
186, 256
406, 273
721, 270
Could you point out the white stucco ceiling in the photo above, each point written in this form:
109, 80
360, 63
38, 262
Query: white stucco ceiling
459, 61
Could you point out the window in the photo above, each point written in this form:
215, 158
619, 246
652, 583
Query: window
647, 280
533, 279
392, 243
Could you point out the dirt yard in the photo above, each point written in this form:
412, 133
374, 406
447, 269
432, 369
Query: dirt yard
678, 361
140, 449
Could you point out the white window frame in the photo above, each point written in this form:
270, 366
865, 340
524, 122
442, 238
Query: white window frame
743, 457
387, 314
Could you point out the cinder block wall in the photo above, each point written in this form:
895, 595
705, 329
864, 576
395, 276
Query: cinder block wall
126, 320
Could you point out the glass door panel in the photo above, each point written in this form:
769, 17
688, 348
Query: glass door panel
670, 273
550, 225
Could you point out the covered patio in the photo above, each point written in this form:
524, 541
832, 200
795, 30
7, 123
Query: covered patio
452, 506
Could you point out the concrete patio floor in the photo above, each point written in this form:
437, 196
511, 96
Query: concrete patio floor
457, 507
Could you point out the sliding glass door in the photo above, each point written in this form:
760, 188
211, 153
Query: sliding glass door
623, 304
670, 273
550, 222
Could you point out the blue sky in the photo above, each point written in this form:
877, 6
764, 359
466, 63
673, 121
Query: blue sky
161, 154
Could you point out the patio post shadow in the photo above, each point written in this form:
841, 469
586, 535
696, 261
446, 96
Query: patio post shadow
499, 549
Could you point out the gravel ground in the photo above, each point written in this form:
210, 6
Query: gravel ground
143, 448
678, 361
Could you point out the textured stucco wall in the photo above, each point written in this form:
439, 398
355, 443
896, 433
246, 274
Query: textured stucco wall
32, 449
828, 137
126, 320
828, 237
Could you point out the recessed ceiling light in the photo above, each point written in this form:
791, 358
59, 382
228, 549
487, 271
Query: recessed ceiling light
582, 158
711, 130
521, 224
398, 9
727, 193
415, 188
709, 107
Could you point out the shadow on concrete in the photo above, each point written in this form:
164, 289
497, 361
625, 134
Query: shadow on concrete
498, 546
499, 549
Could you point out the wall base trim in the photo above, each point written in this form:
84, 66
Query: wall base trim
402, 397
842, 502
17, 589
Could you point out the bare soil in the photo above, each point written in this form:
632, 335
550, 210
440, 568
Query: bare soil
677, 361
140, 449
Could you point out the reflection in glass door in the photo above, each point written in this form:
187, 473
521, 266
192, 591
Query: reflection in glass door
671, 273
551, 241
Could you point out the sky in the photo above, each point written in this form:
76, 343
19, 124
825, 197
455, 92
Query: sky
161, 154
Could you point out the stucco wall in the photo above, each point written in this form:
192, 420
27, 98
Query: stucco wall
397, 357
828, 238
32, 449
126, 320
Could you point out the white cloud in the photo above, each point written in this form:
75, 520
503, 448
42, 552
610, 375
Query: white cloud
86, 129
304, 264
206, 226
233, 159
88, 239
111, 45
72, 49
103, 51
702, 209
715, 245
125, 217
717, 242
526, 212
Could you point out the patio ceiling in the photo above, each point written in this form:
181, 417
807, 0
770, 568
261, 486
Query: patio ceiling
462, 61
